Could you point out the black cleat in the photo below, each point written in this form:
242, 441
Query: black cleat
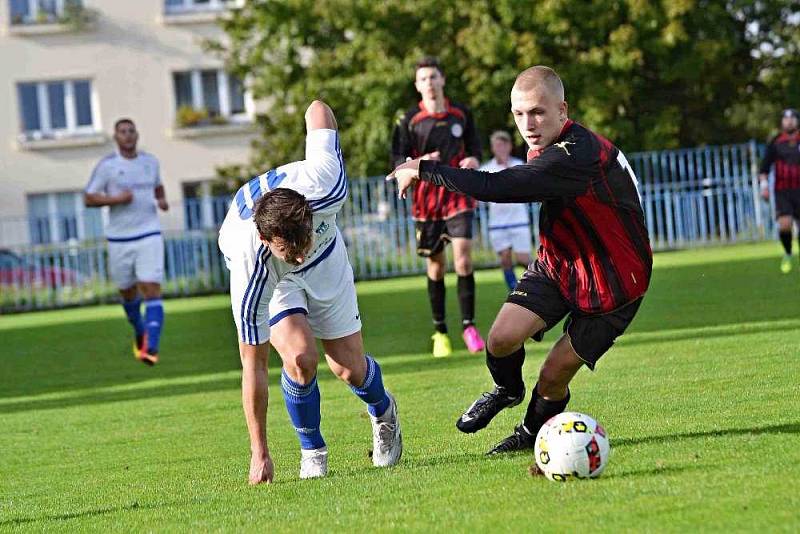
520, 440
483, 410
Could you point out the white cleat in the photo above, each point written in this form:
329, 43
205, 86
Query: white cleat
313, 463
387, 440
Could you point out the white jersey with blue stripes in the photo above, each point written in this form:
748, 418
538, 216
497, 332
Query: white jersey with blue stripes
115, 174
505, 216
320, 177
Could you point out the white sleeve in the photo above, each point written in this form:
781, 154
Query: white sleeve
99, 179
324, 167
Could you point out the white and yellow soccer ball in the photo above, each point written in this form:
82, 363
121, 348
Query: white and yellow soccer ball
571, 445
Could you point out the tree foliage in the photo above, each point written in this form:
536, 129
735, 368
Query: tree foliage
648, 74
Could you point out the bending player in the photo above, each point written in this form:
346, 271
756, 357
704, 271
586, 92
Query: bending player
291, 282
594, 261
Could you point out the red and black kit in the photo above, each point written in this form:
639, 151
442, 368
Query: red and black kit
451, 132
784, 153
594, 261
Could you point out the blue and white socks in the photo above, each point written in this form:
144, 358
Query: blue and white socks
134, 313
372, 391
302, 403
154, 321
511, 278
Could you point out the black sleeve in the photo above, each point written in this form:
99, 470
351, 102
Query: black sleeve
554, 174
769, 158
401, 141
472, 141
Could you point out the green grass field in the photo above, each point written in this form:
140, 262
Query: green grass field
700, 400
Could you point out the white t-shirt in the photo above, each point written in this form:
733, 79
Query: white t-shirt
321, 178
140, 175
505, 215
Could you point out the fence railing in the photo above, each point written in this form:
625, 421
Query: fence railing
690, 198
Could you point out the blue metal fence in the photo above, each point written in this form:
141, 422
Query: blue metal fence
690, 197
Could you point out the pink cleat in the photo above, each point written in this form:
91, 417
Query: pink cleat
473, 339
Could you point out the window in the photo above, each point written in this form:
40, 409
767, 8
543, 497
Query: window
55, 109
194, 6
40, 11
209, 96
58, 217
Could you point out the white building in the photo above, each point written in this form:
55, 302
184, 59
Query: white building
64, 81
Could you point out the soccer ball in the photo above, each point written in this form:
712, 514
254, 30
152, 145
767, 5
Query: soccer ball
571, 445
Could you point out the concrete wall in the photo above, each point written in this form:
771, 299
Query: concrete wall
129, 54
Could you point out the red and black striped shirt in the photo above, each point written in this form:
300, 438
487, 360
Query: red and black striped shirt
452, 133
594, 242
784, 152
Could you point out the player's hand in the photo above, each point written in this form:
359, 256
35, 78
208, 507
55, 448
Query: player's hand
162, 204
433, 156
262, 469
406, 175
469, 163
126, 197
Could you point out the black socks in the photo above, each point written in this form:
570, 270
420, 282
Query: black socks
507, 371
436, 296
540, 410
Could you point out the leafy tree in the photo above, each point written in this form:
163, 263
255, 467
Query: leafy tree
648, 74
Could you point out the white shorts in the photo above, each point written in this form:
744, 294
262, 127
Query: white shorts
141, 260
518, 238
324, 292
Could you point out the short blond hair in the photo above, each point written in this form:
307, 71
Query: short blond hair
537, 76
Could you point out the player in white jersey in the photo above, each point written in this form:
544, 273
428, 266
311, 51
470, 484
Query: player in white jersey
291, 282
129, 182
509, 224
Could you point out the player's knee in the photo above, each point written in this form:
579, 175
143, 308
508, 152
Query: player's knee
435, 271
552, 383
301, 366
501, 343
463, 265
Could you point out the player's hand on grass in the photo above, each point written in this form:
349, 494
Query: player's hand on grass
406, 175
261, 469
126, 197
469, 163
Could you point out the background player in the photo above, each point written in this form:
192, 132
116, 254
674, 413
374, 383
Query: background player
129, 182
439, 130
509, 224
291, 280
784, 153
594, 261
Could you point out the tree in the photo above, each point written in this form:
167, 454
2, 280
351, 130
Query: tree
648, 74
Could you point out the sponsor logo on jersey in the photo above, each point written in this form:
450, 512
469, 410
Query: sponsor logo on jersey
457, 130
322, 228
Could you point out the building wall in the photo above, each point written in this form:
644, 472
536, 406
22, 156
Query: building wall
129, 54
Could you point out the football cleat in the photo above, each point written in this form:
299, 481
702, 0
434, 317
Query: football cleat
786, 264
483, 410
441, 345
520, 440
473, 339
139, 344
313, 462
148, 358
387, 440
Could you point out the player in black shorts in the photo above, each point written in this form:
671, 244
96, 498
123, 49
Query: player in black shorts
437, 129
594, 261
783, 152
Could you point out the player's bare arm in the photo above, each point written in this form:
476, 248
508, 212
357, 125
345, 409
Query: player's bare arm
320, 116
255, 398
96, 200
161, 198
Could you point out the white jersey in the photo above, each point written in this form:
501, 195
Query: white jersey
503, 216
115, 174
321, 178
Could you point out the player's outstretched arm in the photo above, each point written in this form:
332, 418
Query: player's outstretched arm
254, 402
320, 116
96, 200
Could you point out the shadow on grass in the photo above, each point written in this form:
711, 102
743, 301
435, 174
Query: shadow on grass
393, 367
786, 428
15, 521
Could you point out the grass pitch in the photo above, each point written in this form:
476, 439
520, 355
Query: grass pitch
700, 400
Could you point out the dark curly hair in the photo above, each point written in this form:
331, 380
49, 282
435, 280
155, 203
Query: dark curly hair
285, 214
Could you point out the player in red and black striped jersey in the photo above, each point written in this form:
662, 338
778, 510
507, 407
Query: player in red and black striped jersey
439, 130
594, 262
784, 153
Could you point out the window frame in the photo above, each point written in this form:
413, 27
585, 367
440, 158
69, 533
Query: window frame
72, 128
198, 101
192, 6
34, 9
